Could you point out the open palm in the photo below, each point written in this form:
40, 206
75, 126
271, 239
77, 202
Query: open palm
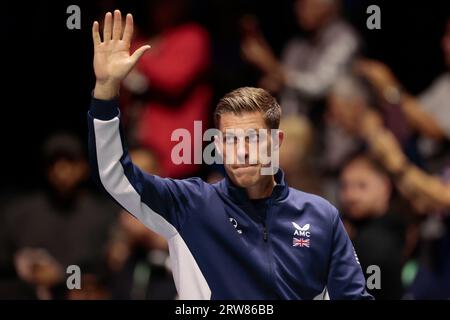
112, 59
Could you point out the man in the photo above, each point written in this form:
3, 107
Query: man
248, 236
295, 157
308, 66
61, 225
426, 113
376, 229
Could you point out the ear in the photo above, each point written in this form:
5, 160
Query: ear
280, 139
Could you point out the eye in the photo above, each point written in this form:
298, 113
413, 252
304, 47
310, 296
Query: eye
230, 139
253, 137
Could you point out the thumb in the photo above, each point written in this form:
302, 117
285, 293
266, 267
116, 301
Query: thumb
138, 53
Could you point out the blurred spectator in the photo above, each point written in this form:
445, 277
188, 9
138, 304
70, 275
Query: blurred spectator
138, 256
377, 231
350, 97
366, 124
427, 194
45, 232
295, 156
169, 88
428, 113
339, 141
309, 66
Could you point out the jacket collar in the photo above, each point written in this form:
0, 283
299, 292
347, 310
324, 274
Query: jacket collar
238, 194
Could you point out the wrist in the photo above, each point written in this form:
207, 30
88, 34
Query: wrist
400, 171
369, 125
106, 90
392, 94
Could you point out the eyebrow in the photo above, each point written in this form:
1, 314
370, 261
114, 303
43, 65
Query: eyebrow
231, 131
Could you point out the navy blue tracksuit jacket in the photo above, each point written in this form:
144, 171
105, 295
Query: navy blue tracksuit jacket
222, 245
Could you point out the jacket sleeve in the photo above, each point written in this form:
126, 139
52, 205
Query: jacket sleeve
161, 204
345, 277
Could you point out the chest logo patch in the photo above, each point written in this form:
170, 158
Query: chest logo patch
301, 236
235, 225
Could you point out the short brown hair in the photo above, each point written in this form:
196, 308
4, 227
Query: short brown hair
248, 99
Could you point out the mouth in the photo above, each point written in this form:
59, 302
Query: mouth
240, 166
243, 168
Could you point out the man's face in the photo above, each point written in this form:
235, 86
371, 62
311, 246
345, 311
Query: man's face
312, 14
346, 110
65, 175
363, 191
242, 139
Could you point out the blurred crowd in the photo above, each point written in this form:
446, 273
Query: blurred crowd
354, 135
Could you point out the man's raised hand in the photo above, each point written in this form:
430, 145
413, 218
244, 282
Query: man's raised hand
112, 59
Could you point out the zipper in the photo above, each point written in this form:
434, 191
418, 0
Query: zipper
268, 247
264, 220
265, 233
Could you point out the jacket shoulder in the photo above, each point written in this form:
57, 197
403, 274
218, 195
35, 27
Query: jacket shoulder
318, 205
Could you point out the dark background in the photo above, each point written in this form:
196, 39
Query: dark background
48, 77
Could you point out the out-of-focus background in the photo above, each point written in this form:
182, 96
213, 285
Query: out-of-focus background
366, 114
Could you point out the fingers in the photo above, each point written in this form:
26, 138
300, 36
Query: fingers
117, 26
107, 27
128, 32
95, 35
138, 53
112, 29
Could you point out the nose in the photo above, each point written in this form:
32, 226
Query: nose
242, 152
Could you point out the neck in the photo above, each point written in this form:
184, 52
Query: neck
263, 189
327, 21
382, 209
